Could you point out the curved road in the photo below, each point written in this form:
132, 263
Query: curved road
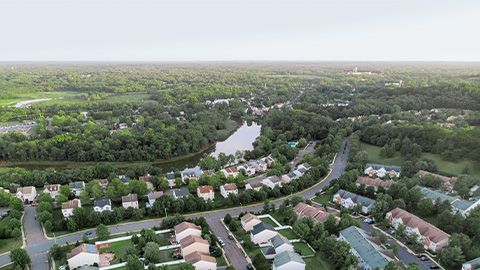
37, 245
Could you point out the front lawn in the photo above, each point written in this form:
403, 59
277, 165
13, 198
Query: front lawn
9, 243
117, 248
278, 218
288, 233
317, 262
221, 261
324, 198
303, 248
241, 235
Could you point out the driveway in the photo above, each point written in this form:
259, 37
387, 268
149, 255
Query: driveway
37, 245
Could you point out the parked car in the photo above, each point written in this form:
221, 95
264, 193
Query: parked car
434, 267
391, 231
249, 267
420, 255
88, 233
368, 221
221, 242
424, 259
230, 237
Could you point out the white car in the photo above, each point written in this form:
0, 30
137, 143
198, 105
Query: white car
221, 242
367, 220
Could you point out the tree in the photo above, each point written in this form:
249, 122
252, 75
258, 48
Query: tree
302, 230
129, 250
401, 230
48, 225
259, 260
65, 191
451, 257
233, 226
151, 253
56, 251
61, 199
133, 263
102, 232
383, 238
16, 203
20, 258
227, 219
395, 248
16, 233
426, 207
331, 224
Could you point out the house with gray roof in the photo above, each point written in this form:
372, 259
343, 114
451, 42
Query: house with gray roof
458, 205
366, 248
272, 181
254, 185
277, 245
171, 179
262, 232
183, 192
77, 187
472, 265
349, 200
382, 170
102, 205
190, 173
288, 260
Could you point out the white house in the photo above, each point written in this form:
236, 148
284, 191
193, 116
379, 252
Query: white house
288, 261
201, 261
206, 192
102, 205
259, 165
152, 196
254, 185
171, 179
249, 169
287, 178
232, 171
305, 166
272, 181
130, 201
227, 189
248, 221
67, 207
185, 229
349, 200
366, 248
430, 236
278, 244
382, 170
183, 192
26, 194
53, 190
262, 232
471, 265
83, 255
77, 187
193, 243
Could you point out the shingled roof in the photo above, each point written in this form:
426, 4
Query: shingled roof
374, 182
196, 256
355, 198
445, 180
184, 226
192, 239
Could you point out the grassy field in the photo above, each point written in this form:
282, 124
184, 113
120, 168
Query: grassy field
317, 262
303, 248
288, 233
444, 167
9, 243
39, 95
325, 198
73, 98
268, 221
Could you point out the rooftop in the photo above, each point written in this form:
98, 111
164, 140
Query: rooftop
260, 227
196, 256
184, 226
192, 239
248, 217
286, 257
181, 192
387, 168
71, 204
205, 189
374, 182
102, 203
445, 179
82, 248
230, 186
154, 195
355, 198
129, 198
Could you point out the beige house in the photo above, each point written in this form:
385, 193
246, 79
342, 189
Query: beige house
67, 207
201, 261
83, 255
206, 192
185, 229
130, 201
53, 190
248, 221
26, 194
194, 243
227, 189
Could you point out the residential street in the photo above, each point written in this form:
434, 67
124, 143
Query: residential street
37, 245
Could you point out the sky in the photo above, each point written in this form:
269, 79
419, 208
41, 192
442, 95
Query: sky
231, 30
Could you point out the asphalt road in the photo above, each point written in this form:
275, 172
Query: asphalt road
37, 245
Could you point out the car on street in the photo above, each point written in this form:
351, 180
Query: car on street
249, 267
88, 233
368, 221
230, 237
424, 259
421, 255
221, 242
434, 267
391, 231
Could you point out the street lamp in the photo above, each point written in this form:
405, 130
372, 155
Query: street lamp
166, 215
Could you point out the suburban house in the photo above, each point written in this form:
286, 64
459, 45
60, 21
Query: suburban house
227, 189
269, 160
377, 182
259, 165
130, 201
366, 248
102, 205
254, 185
67, 207
183, 192
465, 207
145, 178
232, 171
349, 200
447, 181
193, 173
430, 236
185, 229
194, 243
382, 170
103, 184
278, 244
305, 166
124, 179
26, 194
317, 214
287, 178
471, 265
248, 221
77, 187
249, 169
272, 181
201, 261
53, 190
83, 255
206, 192
209, 172
170, 178
288, 261
458, 205
152, 196
262, 232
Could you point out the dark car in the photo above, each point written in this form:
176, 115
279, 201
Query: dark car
424, 259
435, 267
249, 267
230, 237
88, 233
420, 255
391, 231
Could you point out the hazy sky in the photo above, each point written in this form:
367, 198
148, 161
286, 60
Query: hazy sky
181, 30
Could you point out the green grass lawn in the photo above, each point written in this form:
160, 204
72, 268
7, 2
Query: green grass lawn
167, 255
303, 248
288, 233
73, 98
325, 198
252, 252
221, 261
444, 167
317, 262
268, 221
241, 235
117, 248
278, 218
9, 243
